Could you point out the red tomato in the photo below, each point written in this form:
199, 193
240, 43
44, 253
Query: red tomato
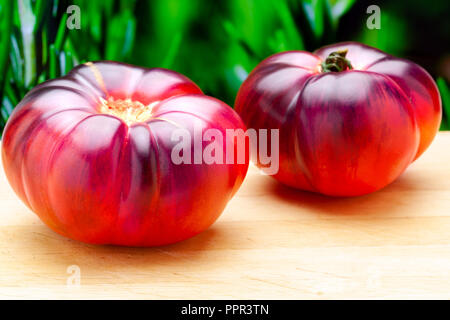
90, 154
351, 117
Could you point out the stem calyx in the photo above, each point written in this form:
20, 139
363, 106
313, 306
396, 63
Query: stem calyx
336, 62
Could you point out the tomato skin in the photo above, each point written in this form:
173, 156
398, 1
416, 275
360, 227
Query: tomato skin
92, 177
342, 133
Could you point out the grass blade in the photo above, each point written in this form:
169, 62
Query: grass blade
6, 19
27, 25
445, 96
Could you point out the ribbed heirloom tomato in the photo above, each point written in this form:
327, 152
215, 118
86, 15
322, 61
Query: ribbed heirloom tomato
351, 118
90, 153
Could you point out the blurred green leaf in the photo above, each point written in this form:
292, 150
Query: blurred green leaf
337, 8
41, 6
53, 54
16, 60
172, 52
120, 36
445, 96
314, 10
387, 37
27, 26
288, 34
6, 19
61, 34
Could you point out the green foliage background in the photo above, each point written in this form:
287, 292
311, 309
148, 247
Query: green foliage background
215, 43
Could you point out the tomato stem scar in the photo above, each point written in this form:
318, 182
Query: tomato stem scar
336, 62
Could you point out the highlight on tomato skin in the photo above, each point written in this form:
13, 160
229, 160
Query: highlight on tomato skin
351, 117
90, 154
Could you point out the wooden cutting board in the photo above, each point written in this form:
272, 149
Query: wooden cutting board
271, 242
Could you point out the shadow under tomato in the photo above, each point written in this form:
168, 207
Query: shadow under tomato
109, 264
395, 198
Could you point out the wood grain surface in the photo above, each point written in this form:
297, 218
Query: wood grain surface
271, 242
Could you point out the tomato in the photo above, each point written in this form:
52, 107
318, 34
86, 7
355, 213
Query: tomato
351, 118
90, 154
